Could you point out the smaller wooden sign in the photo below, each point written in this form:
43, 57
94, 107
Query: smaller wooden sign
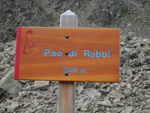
67, 54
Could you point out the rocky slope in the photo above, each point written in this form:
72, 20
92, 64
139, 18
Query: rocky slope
130, 95
131, 15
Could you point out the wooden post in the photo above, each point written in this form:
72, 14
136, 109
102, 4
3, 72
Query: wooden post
67, 90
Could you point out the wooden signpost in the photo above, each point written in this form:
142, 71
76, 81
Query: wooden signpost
88, 54
67, 54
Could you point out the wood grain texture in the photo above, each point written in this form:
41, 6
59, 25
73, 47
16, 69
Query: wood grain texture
66, 97
67, 89
51, 68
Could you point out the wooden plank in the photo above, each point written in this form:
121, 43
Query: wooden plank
67, 90
66, 97
50, 66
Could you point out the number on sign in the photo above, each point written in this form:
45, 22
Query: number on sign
68, 69
64, 69
72, 69
75, 69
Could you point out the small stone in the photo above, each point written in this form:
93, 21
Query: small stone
103, 86
1, 47
104, 91
130, 33
2, 108
24, 81
80, 89
122, 43
135, 79
23, 93
129, 86
2, 91
120, 104
145, 111
35, 101
129, 24
128, 50
77, 4
27, 112
85, 106
116, 110
116, 100
147, 96
2, 67
84, 109
41, 84
32, 111
127, 110
7, 65
40, 107
94, 93
104, 103
135, 89
114, 94
123, 84
127, 91
95, 109
12, 107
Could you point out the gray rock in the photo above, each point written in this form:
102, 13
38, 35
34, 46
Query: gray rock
7, 83
1, 47
85, 106
36, 103
116, 110
122, 43
93, 93
120, 104
127, 110
130, 33
80, 89
129, 24
115, 94
104, 91
104, 103
13, 106
145, 111
116, 100
27, 112
2, 92
41, 84
2, 108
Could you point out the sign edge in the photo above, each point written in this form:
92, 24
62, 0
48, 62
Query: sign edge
17, 59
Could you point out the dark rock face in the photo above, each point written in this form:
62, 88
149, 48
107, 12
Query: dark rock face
10, 85
1, 92
102, 13
105, 12
30, 13
21, 13
7, 20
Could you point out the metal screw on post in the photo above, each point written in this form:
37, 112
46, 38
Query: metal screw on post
66, 53
67, 36
66, 74
67, 90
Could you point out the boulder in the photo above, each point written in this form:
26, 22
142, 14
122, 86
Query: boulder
41, 84
11, 86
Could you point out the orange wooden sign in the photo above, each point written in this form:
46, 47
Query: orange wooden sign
67, 54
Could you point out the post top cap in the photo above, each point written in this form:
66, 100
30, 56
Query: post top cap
68, 12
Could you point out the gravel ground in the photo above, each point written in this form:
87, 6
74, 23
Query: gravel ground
130, 95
